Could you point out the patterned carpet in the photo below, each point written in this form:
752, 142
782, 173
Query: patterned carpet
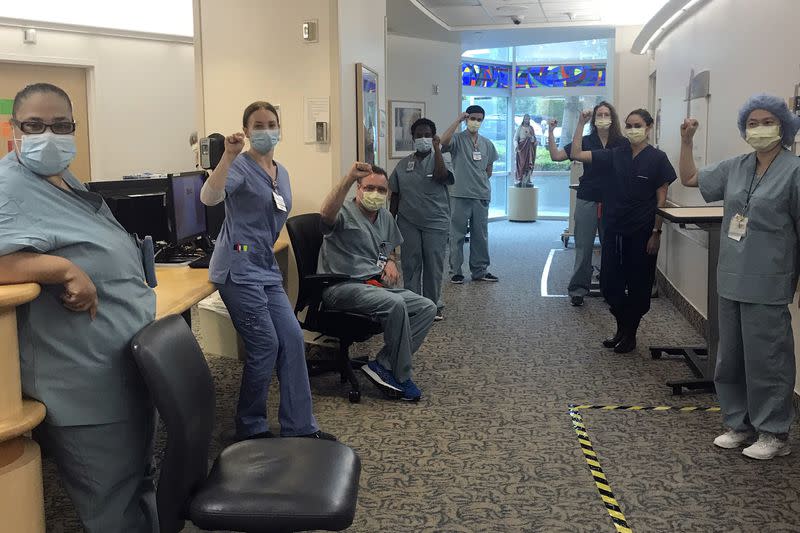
491, 446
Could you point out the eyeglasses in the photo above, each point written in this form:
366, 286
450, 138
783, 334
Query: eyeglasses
35, 127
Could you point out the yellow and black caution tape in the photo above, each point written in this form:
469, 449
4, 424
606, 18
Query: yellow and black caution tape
684, 409
600, 480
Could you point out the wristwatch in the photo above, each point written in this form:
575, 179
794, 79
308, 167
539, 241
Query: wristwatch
657, 231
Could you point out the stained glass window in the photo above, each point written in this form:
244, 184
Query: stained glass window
561, 76
485, 75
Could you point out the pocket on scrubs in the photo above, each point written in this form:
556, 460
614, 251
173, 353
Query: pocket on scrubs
641, 188
249, 262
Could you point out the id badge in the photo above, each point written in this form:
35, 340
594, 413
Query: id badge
476, 155
738, 227
280, 204
410, 166
382, 260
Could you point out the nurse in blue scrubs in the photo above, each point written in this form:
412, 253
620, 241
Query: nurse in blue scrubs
638, 177
258, 198
757, 272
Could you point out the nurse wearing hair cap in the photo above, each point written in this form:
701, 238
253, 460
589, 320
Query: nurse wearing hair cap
757, 274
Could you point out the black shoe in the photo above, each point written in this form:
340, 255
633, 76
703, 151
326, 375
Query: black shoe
576, 301
262, 435
626, 345
457, 279
613, 341
487, 277
319, 435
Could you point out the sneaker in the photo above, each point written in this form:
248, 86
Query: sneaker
439, 317
766, 447
487, 277
319, 435
382, 377
733, 439
576, 301
457, 279
411, 392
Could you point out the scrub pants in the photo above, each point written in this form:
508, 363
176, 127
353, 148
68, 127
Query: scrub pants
476, 213
108, 472
626, 265
405, 316
422, 260
755, 371
586, 226
272, 336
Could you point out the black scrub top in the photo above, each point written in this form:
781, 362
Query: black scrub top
629, 195
590, 187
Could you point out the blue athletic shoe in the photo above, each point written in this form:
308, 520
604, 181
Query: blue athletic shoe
382, 377
411, 392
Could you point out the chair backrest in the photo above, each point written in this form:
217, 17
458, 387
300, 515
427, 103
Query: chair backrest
306, 237
176, 373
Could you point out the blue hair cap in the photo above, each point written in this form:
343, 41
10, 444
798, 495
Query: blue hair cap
775, 105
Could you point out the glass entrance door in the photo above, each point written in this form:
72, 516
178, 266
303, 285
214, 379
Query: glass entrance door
495, 128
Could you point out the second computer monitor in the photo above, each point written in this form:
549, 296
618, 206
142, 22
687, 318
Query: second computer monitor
187, 215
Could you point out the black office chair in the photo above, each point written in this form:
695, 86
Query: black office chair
277, 484
306, 236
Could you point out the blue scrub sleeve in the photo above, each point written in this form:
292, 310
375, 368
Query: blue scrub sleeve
18, 232
327, 229
667, 171
713, 179
452, 148
236, 175
394, 186
602, 160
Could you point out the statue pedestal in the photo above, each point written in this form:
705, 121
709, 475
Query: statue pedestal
523, 204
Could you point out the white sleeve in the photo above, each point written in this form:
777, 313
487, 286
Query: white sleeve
211, 196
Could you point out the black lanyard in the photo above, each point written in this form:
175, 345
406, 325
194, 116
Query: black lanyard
751, 190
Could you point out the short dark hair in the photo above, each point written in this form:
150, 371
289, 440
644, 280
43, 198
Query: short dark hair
476, 109
38, 88
255, 106
423, 122
377, 170
644, 113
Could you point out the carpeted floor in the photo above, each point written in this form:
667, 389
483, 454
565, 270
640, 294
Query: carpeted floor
491, 446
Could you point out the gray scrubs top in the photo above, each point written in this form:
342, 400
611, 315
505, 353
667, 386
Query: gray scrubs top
353, 245
762, 267
472, 181
79, 368
424, 202
252, 225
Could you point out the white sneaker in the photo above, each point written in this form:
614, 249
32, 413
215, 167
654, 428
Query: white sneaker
733, 439
766, 447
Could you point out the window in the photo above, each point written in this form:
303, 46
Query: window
493, 54
561, 76
485, 75
592, 50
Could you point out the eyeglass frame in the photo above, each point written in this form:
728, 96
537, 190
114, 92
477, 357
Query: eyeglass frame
22, 126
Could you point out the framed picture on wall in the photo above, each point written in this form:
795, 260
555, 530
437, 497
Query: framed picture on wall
367, 114
402, 115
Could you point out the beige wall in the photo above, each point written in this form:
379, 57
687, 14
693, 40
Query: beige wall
632, 72
140, 94
709, 40
413, 66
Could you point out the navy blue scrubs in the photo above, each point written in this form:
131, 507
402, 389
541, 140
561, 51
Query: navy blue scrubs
629, 216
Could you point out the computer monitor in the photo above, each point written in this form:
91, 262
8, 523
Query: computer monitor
139, 205
187, 214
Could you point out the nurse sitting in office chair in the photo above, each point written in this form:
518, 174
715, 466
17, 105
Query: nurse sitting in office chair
757, 274
258, 198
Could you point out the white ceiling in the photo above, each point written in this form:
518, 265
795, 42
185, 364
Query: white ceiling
459, 15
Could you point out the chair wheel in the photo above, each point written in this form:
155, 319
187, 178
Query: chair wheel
354, 396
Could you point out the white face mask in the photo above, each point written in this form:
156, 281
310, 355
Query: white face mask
763, 138
636, 135
602, 123
423, 144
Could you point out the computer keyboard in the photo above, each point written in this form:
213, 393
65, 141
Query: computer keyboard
201, 262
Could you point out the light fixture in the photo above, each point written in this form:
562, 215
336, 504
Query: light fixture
661, 23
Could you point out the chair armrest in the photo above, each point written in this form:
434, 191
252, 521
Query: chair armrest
320, 282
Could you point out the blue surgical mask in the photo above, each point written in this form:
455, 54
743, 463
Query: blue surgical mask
423, 144
47, 154
263, 141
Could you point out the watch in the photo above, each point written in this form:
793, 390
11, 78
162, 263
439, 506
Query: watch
656, 231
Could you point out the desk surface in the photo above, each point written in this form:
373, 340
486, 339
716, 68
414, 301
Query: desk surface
692, 215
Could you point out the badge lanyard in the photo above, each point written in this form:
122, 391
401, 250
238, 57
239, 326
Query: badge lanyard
751, 190
280, 203
738, 226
